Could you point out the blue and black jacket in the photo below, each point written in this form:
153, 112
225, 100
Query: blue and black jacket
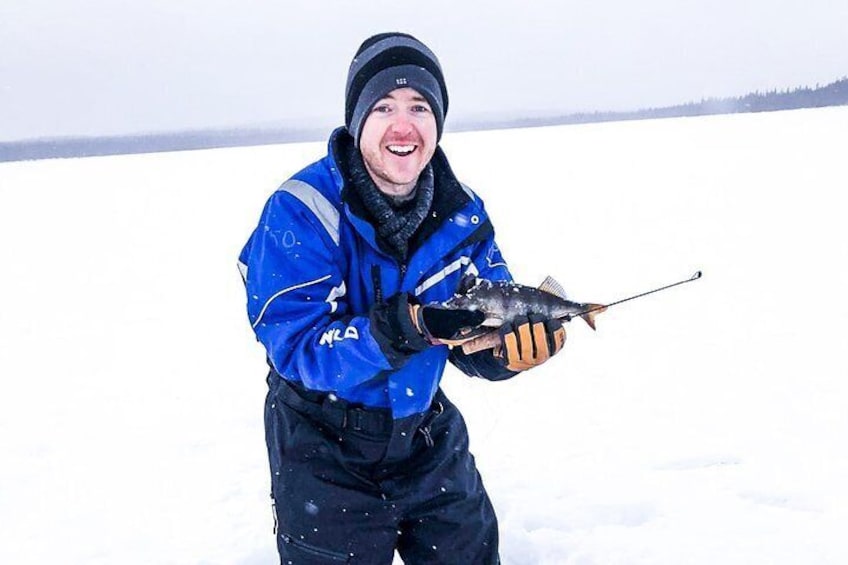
314, 268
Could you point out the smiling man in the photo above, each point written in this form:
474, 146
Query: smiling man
398, 141
367, 454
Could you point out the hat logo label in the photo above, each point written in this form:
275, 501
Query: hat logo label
401, 81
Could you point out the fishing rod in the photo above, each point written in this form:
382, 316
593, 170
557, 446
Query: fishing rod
694, 277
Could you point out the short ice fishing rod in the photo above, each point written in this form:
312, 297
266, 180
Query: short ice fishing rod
602, 307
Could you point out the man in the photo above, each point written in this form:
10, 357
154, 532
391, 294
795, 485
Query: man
367, 454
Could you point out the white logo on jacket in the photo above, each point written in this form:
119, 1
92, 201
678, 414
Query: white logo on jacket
333, 335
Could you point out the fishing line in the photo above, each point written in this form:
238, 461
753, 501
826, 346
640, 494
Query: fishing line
694, 277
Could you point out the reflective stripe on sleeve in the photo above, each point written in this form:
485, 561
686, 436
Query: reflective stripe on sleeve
282, 292
317, 203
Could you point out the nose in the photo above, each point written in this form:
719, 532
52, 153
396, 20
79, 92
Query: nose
401, 125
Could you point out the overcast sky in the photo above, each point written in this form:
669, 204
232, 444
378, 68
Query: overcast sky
89, 67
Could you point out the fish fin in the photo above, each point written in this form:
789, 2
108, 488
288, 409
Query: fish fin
550, 286
594, 310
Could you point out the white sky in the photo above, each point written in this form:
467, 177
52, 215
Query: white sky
87, 67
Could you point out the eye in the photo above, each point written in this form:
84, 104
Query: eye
420, 108
381, 108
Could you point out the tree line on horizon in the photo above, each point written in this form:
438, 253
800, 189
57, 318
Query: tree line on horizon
833, 94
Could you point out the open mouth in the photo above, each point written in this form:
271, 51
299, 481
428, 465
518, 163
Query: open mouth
401, 150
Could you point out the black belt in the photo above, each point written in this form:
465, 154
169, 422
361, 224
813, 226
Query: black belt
327, 407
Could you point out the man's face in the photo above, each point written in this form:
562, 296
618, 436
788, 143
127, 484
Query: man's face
397, 141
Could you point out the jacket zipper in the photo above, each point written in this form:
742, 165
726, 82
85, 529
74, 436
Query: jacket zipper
377, 276
376, 281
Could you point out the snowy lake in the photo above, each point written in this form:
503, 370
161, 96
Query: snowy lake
705, 424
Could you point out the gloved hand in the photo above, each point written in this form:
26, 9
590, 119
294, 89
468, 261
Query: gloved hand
403, 325
529, 341
445, 326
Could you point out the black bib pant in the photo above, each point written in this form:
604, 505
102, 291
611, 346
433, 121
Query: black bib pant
351, 485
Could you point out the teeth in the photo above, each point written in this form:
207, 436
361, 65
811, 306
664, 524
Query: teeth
401, 149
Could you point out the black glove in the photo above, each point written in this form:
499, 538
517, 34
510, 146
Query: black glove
402, 326
443, 326
529, 341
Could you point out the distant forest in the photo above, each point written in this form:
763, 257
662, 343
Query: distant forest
834, 94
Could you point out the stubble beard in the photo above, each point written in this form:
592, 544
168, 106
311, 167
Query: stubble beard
388, 184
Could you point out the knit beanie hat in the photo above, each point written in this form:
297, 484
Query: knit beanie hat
387, 61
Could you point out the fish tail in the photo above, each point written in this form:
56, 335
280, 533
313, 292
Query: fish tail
593, 310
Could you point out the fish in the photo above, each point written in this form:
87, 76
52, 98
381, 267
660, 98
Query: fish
503, 301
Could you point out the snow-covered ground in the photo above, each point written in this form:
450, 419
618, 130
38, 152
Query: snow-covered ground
706, 424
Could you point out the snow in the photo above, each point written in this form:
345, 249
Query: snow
705, 424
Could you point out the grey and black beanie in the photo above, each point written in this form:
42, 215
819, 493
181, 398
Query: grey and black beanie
388, 61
